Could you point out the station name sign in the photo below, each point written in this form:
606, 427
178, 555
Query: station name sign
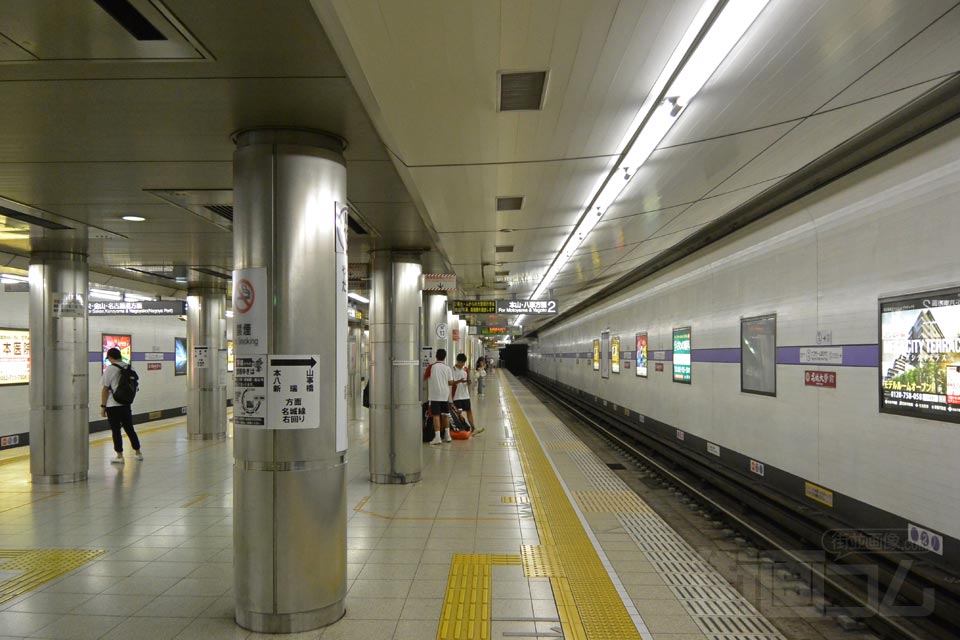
509, 307
143, 308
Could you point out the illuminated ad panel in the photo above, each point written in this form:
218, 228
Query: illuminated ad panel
642, 355
119, 341
615, 354
681, 355
179, 356
596, 355
14, 356
920, 355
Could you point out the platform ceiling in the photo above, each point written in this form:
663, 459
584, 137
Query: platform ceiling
92, 121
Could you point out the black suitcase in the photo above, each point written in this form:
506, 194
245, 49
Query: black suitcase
427, 422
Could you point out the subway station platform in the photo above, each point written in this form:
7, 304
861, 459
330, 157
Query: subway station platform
521, 532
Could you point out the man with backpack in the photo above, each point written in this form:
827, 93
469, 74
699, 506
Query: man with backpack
119, 385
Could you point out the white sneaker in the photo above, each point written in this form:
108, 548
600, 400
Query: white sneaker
117, 460
446, 436
436, 438
138, 455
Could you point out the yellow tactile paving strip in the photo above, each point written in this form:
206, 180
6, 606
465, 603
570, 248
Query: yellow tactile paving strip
587, 600
38, 566
467, 606
599, 501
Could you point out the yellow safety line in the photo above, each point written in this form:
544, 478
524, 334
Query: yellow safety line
39, 566
587, 600
145, 430
199, 498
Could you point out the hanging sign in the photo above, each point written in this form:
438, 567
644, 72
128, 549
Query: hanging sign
500, 331
438, 281
250, 306
462, 307
527, 307
123, 308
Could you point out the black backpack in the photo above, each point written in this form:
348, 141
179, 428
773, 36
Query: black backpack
127, 385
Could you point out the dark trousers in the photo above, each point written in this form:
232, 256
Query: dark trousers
118, 417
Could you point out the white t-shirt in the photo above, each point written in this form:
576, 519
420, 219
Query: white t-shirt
438, 384
109, 379
463, 390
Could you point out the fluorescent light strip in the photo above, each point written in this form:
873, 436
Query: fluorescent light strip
136, 297
358, 297
733, 21
103, 294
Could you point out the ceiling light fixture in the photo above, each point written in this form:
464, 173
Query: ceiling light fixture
712, 35
358, 297
133, 218
136, 297
103, 294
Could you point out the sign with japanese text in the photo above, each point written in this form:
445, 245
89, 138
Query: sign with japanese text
154, 366
820, 379
201, 357
250, 305
249, 391
821, 355
293, 399
681, 355
499, 331
461, 307
14, 356
141, 308
527, 307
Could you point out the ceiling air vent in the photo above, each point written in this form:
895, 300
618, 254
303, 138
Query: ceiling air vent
131, 19
522, 91
222, 210
356, 227
505, 248
509, 203
502, 273
34, 220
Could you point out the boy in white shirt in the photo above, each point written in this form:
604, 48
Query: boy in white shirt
439, 382
461, 389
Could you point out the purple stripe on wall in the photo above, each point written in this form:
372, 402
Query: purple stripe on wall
168, 356
730, 355
861, 355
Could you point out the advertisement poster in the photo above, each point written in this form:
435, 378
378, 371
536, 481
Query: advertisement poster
119, 341
615, 354
596, 355
229, 355
758, 355
920, 355
179, 356
681, 355
642, 355
14, 356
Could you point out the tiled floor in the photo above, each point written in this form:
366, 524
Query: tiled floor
166, 526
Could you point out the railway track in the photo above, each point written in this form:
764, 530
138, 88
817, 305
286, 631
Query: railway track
893, 593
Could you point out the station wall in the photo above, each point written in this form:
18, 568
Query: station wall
820, 265
160, 391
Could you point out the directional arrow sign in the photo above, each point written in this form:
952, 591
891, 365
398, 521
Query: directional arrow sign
293, 362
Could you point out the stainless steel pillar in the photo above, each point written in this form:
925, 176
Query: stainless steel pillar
59, 404
206, 327
395, 430
434, 314
290, 524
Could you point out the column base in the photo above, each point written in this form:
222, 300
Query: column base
64, 478
207, 436
290, 622
383, 478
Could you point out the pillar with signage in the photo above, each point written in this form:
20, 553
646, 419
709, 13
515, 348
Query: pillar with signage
206, 358
290, 324
59, 403
395, 415
434, 327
